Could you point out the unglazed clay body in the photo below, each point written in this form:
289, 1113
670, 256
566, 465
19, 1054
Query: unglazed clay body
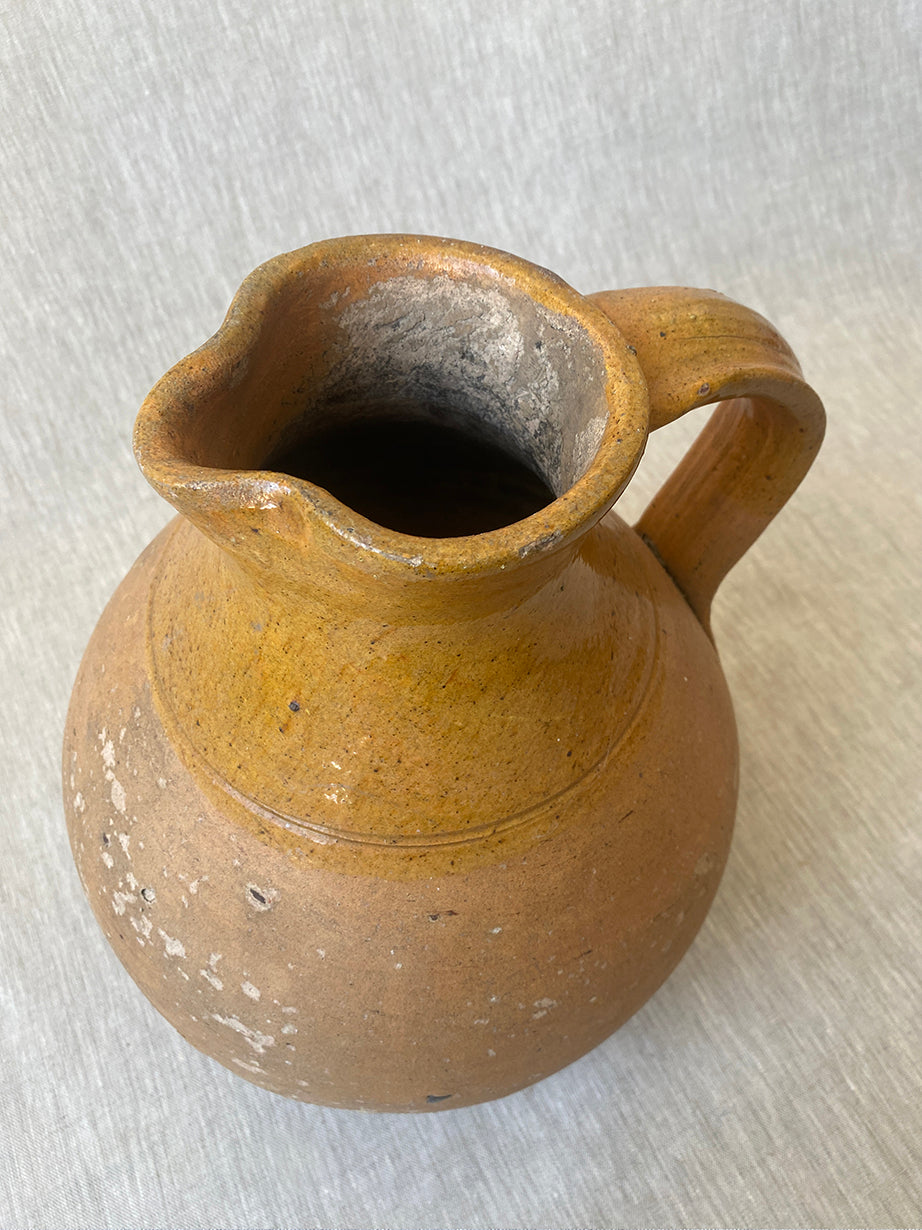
406, 818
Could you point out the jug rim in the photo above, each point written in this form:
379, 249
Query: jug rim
210, 495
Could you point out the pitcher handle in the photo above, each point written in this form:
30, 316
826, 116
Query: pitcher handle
697, 347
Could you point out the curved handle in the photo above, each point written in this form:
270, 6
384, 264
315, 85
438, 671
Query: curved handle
697, 347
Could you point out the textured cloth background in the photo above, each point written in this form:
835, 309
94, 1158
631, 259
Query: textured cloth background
151, 156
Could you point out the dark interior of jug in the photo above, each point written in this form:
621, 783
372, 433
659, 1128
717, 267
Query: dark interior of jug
447, 407
400, 465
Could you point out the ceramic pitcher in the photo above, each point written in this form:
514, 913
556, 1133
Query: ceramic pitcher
400, 771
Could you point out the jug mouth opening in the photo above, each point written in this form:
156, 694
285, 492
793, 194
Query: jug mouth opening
416, 397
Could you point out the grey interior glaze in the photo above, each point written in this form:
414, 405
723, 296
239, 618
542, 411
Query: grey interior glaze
488, 361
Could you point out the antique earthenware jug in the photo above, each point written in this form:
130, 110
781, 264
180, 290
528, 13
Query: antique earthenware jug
399, 770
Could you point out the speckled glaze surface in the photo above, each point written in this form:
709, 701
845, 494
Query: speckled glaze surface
407, 823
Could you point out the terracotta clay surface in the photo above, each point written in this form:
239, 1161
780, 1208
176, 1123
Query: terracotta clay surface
404, 822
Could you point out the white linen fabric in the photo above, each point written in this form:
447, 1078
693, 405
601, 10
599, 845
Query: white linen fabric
151, 156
